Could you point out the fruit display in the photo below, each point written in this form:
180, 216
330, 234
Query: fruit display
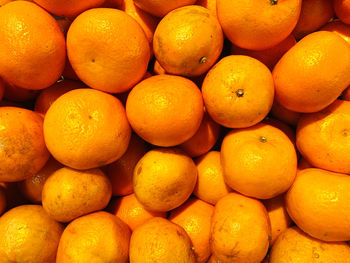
178, 131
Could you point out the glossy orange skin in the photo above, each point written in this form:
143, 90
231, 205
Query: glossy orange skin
102, 59
37, 49
188, 41
258, 25
23, 152
165, 110
97, 237
159, 7
317, 203
317, 70
342, 10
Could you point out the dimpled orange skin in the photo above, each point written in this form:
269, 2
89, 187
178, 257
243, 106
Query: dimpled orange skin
268, 56
323, 137
165, 110
259, 161
28, 234
238, 91
86, 128
159, 240
159, 7
318, 203
33, 42
295, 246
69, 193
96, 237
342, 10
108, 49
240, 230
131, 211
188, 41
313, 73
258, 25
164, 178
23, 151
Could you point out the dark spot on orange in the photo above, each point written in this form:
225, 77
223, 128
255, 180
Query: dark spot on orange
139, 170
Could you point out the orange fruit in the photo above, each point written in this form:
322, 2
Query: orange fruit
295, 246
204, 139
131, 211
68, 193
238, 91
209, 4
258, 25
240, 229
158, 69
210, 186
285, 115
161, 8
259, 161
164, 178
313, 15
68, 71
342, 10
40, 55
323, 59
318, 203
338, 27
49, 95
86, 128
165, 110
68, 8
32, 187
323, 137
28, 234
16, 94
108, 49
278, 216
188, 41
269, 56
97, 237
121, 171
195, 217
23, 151
159, 240
3, 201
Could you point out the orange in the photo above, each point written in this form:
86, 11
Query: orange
188, 41
323, 138
86, 128
32, 187
240, 230
49, 95
210, 186
165, 110
295, 246
238, 91
269, 56
28, 234
68, 8
283, 127
195, 217
285, 115
278, 216
68, 193
209, 4
40, 55
131, 211
313, 15
112, 3
16, 94
68, 71
259, 161
164, 178
318, 203
23, 152
121, 171
321, 74
338, 27
158, 69
97, 237
342, 10
108, 49
159, 240
161, 8
204, 139
258, 25
3, 201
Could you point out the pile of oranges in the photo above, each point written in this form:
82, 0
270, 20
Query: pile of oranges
179, 131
